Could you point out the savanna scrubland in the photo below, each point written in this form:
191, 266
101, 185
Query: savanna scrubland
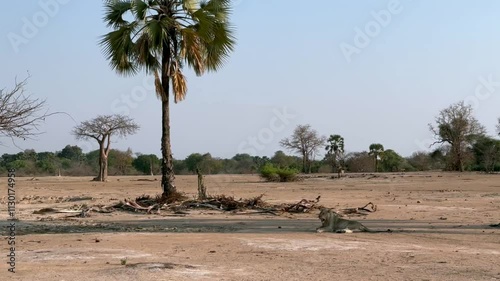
444, 225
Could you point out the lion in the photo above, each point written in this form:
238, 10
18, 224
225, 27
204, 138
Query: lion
331, 222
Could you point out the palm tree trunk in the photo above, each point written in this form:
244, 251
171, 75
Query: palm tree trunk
167, 166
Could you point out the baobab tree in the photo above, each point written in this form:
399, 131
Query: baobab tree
101, 129
20, 113
457, 126
162, 37
306, 142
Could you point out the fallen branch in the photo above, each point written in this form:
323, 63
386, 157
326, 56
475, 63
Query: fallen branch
102, 210
80, 214
78, 198
136, 206
363, 211
202, 205
272, 212
303, 206
69, 211
52, 210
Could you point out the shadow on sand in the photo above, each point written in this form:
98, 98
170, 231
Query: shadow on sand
230, 225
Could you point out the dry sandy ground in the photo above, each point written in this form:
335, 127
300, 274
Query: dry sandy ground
440, 222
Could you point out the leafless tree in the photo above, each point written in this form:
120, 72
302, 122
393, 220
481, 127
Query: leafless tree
21, 114
101, 129
457, 127
306, 142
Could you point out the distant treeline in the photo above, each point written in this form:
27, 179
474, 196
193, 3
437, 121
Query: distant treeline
71, 161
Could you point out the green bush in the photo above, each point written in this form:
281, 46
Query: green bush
277, 174
268, 172
287, 174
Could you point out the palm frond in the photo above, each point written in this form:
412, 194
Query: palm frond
158, 87
220, 9
157, 32
139, 9
211, 35
179, 84
220, 47
120, 51
147, 53
114, 11
192, 50
190, 5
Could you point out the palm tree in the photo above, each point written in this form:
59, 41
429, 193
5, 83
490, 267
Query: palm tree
376, 150
335, 149
163, 37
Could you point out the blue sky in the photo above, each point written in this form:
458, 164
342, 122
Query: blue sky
288, 68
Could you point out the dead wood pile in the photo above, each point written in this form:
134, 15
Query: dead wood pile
179, 204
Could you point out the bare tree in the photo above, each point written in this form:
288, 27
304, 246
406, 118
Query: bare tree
306, 142
457, 127
101, 129
21, 114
